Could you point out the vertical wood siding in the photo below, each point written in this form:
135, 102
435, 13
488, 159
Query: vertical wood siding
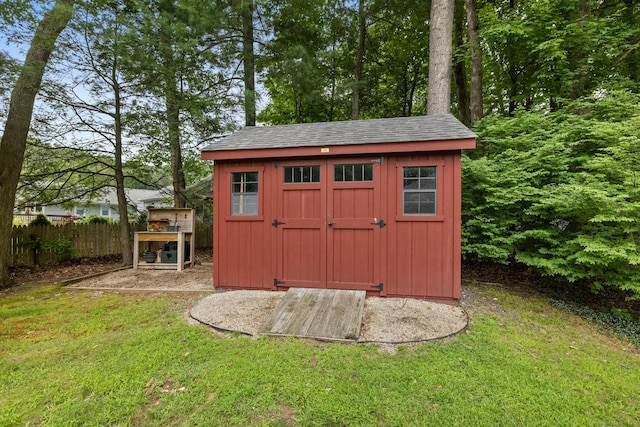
325, 237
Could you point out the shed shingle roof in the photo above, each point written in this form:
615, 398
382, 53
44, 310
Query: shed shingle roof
400, 129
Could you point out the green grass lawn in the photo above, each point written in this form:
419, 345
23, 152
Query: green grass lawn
83, 358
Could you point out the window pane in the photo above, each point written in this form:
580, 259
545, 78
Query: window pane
411, 183
353, 173
411, 208
428, 183
301, 174
244, 193
411, 172
348, 172
419, 187
412, 197
357, 172
235, 204
428, 171
251, 204
368, 173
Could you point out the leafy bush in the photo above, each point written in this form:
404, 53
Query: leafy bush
559, 192
94, 219
17, 222
63, 248
40, 219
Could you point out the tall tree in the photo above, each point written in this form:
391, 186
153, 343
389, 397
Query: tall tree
14, 137
397, 67
96, 99
475, 85
177, 55
306, 75
440, 50
460, 64
357, 75
248, 58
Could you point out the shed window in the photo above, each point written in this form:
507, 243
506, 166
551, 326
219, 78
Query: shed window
244, 193
353, 172
301, 174
419, 188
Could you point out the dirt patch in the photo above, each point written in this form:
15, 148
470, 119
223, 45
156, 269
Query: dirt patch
54, 273
196, 278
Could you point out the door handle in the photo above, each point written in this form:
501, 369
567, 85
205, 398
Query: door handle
330, 224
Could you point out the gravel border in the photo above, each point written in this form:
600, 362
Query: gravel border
385, 320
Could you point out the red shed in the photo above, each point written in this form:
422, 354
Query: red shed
368, 204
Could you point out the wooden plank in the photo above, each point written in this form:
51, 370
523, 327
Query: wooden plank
283, 312
329, 314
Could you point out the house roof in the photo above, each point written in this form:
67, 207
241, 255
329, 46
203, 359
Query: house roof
430, 128
134, 196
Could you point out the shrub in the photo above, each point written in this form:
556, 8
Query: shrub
40, 219
63, 248
559, 192
18, 222
94, 219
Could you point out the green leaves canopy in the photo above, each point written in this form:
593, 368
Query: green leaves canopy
559, 192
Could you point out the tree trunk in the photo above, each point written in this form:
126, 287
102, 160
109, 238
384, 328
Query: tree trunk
460, 69
172, 111
355, 97
125, 227
579, 56
473, 36
14, 137
440, 50
249, 64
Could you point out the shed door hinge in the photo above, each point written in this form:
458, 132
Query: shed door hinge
379, 286
277, 282
380, 223
379, 160
276, 223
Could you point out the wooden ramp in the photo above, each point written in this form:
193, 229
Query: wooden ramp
328, 314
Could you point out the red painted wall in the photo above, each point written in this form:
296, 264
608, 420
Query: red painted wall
417, 256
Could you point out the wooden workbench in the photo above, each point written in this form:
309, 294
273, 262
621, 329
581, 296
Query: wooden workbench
176, 226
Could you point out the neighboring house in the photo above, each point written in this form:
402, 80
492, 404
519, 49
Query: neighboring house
106, 205
373, 205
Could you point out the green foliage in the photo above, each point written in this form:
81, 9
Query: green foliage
95, 219
559, 192
62, 248
40, 219
17, 222
309, 64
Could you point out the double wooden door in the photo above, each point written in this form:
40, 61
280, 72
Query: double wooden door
328, 225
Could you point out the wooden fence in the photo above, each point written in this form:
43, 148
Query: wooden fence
89, 240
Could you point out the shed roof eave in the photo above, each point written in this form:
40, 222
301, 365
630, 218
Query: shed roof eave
340, 150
